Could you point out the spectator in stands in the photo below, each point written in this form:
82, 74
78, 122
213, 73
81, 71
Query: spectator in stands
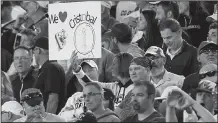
32, 102
207, 54
143, 95
181, 56
122, 36
106, 19
193, 20
159, 75
11, 111
209, 72
93, 96
26, 74
51, 78
148, 25
120, 70
7, 93
212, 34
205, 92
75, 105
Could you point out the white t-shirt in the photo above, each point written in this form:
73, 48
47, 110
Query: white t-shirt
49, 118
124, 8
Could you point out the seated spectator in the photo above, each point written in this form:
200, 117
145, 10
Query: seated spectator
207, 54
75, 105
11, 111
151, 34
93, 96
181, 56
122, 36
193, 20
212, 34
143, 95
159, 75
7, 93
106, 19
32, 102
120, 70
178, 99
26, 74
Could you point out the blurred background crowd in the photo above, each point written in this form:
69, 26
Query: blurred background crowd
158, 64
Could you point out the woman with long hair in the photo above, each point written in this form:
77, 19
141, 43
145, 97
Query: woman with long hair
6, 90
151, 35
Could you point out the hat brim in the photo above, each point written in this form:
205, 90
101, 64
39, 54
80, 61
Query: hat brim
211, 44
160, 98
203, 90
155, 2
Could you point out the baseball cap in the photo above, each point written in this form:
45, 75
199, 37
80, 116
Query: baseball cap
206, 44
14, 107
90, 63
165, 93
107, 4
206, 86
154, 50
154, 2
213, 17
143, 61
32, 96
42, 42
108, 94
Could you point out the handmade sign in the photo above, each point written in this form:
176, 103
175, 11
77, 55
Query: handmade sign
74, 26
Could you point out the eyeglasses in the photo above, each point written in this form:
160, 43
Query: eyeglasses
22, 58
31, 96
91, 94
152, 57
209, 74
207, 51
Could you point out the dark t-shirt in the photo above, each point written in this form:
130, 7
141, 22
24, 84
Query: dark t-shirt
154, 117
51, 79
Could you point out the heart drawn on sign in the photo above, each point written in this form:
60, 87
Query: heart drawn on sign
62, 16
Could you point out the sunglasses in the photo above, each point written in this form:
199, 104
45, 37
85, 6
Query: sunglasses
207, 51
209, 74
33, 99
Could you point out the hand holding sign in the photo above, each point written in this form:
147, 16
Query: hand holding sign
75, 62
179, 99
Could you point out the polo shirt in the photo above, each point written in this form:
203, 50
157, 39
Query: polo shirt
28, 82
185, 62
51, 79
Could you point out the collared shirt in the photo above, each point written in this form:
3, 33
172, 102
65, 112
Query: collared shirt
176, 53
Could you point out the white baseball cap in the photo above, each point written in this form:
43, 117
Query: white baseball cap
91, 63
14, 107
107, 4
154, 2
165, 93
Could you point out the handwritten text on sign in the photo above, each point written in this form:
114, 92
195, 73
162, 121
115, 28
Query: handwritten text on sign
75, 26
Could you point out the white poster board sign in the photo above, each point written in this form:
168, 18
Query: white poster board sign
74, 26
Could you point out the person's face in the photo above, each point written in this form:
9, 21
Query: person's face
142, 23
37, 51
137, 72
35, 110
160, 13
22, 60
140, 99
205, 99
157, 63
92, 97
90, 71
183, 6
208, 73
170, 38
115, 67
212, 35
208, 56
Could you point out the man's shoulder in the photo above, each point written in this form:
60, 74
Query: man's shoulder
190, 47
174, 76
53, 65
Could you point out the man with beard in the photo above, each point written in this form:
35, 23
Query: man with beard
159, 75
143, 94
32, 102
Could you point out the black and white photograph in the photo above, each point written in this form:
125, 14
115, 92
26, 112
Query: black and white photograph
109, 61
